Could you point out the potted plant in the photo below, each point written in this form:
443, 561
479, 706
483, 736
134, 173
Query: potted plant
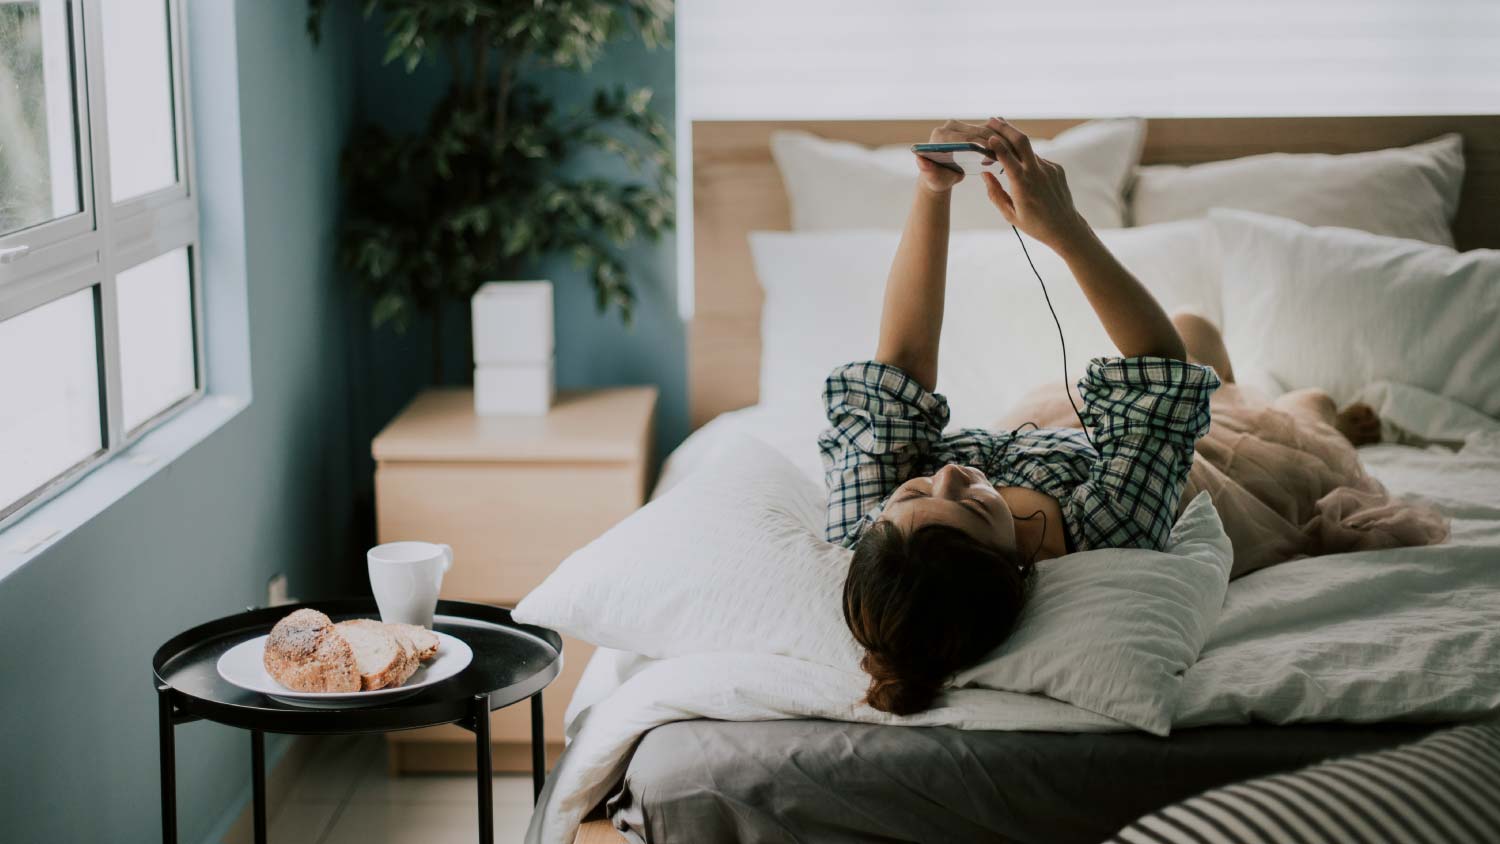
484, 189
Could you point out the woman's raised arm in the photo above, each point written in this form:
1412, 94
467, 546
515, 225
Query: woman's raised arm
1039, 204
911, 322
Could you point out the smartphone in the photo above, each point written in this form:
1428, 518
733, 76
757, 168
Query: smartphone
962, 158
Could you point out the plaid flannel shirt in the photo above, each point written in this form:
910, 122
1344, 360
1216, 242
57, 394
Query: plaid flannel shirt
1145, 414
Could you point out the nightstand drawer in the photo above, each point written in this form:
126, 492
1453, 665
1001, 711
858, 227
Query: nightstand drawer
510, 524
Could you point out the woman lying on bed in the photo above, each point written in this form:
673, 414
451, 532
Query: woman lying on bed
946, 527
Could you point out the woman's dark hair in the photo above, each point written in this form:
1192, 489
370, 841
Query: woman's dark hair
925, 605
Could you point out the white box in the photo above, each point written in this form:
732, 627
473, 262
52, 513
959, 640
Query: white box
513, 322
513, 389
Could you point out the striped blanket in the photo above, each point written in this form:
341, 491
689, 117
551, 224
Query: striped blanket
1444, 789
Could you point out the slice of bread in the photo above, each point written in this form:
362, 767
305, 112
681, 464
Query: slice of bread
379, 656
410, 661
408, 652
305, 653
425, 640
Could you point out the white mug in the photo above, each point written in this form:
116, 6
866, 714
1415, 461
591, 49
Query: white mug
406, 577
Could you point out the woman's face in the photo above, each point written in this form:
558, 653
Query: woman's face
956, 496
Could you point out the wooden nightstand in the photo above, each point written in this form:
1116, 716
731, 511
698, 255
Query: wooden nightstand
513, 495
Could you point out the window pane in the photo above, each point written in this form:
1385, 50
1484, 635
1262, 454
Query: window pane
38, 129
49, 394
138, 94
156, 335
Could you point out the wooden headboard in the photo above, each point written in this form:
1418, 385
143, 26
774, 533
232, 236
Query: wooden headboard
736, 190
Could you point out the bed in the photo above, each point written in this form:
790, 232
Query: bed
828, 781
798, 779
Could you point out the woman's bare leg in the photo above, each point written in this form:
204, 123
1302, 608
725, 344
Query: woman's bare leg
1311, 403
1205, 345
1359, 423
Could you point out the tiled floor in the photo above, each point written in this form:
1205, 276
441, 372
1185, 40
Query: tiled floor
344, 796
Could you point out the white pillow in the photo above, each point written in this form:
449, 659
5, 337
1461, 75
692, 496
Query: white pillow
1339, 309
1113, 630
823, 294
732, 560
1404, 192
842, 185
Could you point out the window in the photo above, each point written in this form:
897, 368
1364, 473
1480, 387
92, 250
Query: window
100, 305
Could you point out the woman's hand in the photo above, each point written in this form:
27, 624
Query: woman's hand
936, 177
1038, 202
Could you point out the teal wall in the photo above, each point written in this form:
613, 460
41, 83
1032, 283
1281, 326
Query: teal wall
596, 349
268, 492
593, 349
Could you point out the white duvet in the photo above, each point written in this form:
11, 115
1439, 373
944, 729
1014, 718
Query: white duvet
1409, 634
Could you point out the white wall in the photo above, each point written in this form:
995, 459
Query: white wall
854, 59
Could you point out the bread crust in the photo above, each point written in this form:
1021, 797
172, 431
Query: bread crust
425, 641
306, 653
408, 651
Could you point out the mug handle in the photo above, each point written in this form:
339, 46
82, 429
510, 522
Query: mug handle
447, 556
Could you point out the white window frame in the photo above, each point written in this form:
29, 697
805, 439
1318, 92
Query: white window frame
89, 249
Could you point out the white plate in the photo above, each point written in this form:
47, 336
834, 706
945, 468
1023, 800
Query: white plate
243, 665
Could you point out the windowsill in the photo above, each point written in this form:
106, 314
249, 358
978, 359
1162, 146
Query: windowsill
39, 530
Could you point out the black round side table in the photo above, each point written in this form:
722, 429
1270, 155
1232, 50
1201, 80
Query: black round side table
512, 662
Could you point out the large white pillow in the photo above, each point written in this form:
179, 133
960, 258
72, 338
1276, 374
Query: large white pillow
1340, 309
842, 185
1405, 192
732, 560
1090, 615
823, 294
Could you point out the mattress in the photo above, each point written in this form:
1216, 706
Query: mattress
829, 781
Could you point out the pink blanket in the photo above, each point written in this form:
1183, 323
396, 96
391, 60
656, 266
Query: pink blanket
1285, 483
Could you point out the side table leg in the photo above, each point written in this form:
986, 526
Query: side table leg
258, 782
481, 715
168, 765
538, 749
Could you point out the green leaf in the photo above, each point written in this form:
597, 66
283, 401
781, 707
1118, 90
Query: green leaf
393, 51
518, 237
388, 307
582, 255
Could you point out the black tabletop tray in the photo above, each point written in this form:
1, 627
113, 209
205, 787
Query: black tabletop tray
512, 661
